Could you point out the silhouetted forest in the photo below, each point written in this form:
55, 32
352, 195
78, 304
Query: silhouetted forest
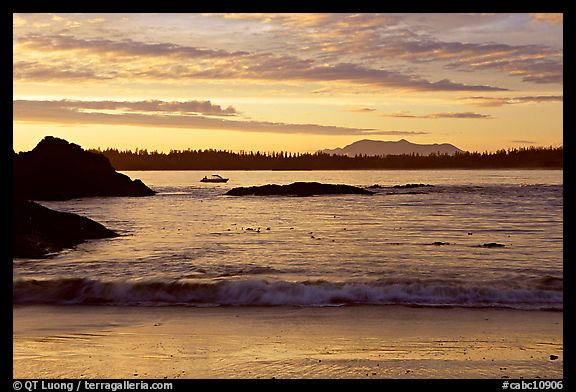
521, 158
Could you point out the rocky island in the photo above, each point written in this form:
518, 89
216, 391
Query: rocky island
298, 189
38, 231
58, 170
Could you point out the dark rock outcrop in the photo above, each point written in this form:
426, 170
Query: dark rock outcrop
298, 189
491, 245
58, 170
38, 231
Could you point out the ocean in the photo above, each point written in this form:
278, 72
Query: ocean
425, 246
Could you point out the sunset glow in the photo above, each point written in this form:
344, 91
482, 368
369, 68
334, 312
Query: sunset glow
291, 82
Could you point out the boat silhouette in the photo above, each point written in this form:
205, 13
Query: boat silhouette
214, 178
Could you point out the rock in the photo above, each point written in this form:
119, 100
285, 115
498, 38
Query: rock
491, 245
38, 231
553, 357
58, 170
298, 189
439, 243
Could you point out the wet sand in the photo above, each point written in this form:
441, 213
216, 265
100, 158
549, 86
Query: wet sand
284, 342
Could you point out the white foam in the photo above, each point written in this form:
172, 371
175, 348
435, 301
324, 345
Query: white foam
276, 293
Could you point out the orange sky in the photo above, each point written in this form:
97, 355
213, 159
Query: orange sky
294, 82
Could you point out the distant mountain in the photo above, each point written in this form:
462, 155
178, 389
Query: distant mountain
379, 147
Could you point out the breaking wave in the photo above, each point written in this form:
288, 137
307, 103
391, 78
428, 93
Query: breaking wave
282, 293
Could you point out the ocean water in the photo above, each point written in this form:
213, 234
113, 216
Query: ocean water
192, 245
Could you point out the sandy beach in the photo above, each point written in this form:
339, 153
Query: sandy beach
284, 342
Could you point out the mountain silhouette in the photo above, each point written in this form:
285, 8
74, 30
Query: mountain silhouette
379, 147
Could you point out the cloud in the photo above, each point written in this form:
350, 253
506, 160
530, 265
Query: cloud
293, 19
36, 71
374, 42
523, 141
539, 69
501, 101
161, 107
555, 19
534, 63
439, 115
290, 68
176, 62
84, 112
126, 47
377, 37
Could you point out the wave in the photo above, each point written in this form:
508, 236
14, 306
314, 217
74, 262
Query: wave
280, 293
492, 189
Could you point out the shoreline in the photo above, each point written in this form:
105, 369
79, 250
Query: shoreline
358, 342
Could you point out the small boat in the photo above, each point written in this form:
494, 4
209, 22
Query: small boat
214, 178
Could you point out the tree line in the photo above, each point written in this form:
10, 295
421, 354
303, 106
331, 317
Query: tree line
211, 159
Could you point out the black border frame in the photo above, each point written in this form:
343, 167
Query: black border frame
300, 6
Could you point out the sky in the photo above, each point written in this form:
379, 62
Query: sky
287, 82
